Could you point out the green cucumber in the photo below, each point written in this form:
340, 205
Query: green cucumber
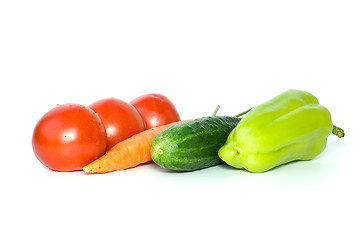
192, 145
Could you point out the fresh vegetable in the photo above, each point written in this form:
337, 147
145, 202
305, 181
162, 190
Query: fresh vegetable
120, 118
192, 145
156, 110
68, 137
291, 126
127, 154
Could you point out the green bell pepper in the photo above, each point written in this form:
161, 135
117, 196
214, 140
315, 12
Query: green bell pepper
291, 126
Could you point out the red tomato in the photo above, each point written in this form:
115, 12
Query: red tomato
68, 137
156, 110
120, 118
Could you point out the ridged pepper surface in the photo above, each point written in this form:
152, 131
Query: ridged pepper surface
291, 126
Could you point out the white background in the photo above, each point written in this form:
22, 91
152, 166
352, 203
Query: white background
199, 54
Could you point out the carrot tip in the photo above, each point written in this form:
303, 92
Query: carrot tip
86, 169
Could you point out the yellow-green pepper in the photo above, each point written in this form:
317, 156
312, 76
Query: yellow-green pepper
291, 126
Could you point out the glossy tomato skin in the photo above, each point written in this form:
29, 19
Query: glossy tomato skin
120, 119
155, 109
68, 137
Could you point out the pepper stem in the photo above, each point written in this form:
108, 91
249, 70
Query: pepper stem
337, 131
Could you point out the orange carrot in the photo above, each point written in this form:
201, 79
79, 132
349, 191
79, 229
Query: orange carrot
127, 154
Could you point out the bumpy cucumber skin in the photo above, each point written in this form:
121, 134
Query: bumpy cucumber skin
192, 145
